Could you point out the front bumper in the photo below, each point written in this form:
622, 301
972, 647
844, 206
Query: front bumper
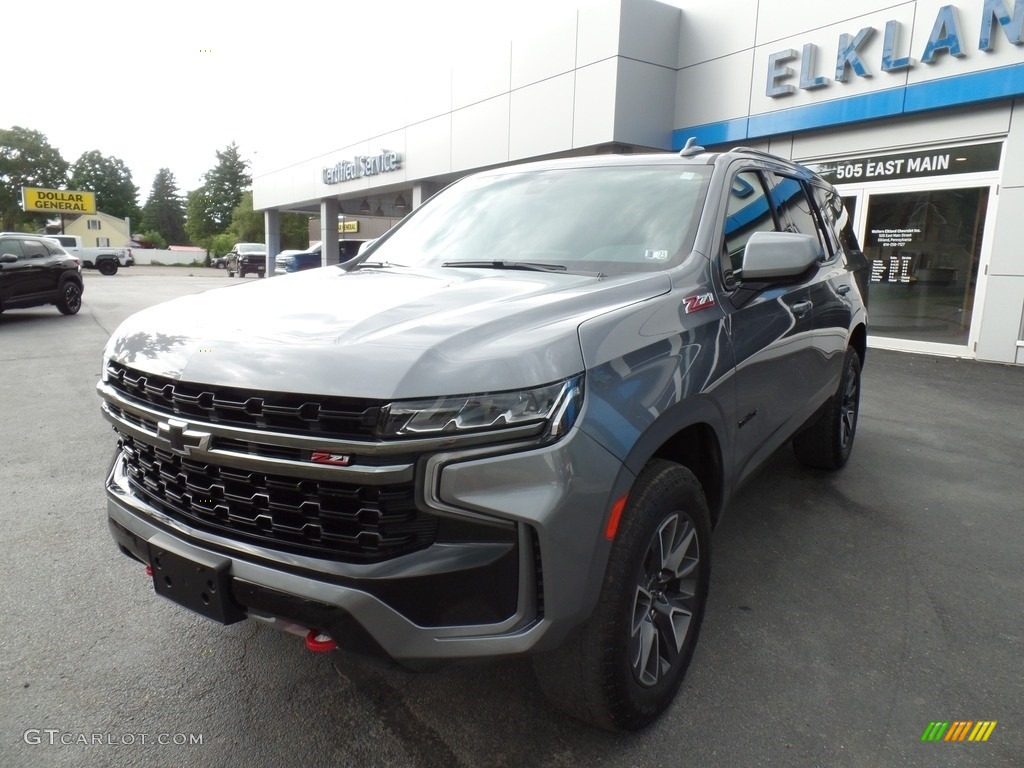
431, 607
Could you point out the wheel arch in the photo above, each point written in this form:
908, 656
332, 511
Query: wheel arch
859, 341
691, 435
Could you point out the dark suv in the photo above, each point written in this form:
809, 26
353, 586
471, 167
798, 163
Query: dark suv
36, 270
247, 259
507, 428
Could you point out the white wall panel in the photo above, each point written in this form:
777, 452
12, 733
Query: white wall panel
1001, 319
1013, 155
709, 33
650, 32
597, 36
594, 107
778, 19
427, 93
645, 104
701, 97
484, 75
1007, 249
551, 52
480, 134
541, 118
428, 148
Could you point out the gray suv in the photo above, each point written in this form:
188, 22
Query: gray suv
508, 427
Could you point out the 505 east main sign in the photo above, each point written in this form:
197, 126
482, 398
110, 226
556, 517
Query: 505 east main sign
946, 37
362, 165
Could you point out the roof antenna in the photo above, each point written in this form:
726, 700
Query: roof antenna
692, 148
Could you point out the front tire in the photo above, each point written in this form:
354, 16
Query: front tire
108, 267
70, 300
827, 443
622, 669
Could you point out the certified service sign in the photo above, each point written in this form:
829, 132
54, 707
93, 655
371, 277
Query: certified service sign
35, 199
360, 166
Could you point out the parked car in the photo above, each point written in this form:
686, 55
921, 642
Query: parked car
220, 262
311, 258
283, 259
247, 259
36, 270
508, 427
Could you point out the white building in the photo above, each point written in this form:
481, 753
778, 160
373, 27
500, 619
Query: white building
908, 107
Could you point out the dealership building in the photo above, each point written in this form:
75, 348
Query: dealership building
914, 110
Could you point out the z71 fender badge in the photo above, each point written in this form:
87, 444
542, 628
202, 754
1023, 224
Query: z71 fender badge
697, 303
337, 459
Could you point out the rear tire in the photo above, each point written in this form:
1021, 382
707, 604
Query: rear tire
827, 443
108, 267
623, 667
70, 300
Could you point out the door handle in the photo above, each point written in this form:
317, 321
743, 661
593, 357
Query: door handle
842, 290
802, 308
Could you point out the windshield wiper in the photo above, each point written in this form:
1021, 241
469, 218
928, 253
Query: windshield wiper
532, 266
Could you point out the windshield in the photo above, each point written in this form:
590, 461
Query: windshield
611, 220
251, 248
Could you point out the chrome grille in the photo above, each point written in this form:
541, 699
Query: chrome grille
331, 520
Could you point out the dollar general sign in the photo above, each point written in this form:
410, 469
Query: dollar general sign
37, 200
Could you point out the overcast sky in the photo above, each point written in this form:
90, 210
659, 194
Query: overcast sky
167, 84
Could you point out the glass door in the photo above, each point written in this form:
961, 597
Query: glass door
924, 246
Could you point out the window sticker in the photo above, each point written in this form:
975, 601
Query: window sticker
656, 255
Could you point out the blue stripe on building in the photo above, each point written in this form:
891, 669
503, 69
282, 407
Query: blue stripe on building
960, 90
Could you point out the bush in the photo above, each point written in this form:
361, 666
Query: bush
153, 239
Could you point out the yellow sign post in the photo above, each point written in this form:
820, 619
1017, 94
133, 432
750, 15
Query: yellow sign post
38, 200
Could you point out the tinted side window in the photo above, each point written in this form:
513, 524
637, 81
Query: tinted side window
839, 222
34, 249
11, 246
747, 212
796, 209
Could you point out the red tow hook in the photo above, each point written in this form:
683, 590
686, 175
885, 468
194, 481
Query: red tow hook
149, 571
319, 642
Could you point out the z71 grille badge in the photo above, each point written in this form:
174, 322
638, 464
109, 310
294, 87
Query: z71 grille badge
337, 459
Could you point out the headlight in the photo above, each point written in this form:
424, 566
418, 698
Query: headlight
557, 404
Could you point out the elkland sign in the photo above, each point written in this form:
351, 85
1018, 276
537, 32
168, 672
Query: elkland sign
360, 166
945, 38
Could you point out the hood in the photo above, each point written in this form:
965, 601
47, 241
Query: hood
378, 332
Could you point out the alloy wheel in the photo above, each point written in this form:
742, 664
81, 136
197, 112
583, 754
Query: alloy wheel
665, 599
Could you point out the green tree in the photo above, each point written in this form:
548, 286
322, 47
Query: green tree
199, 224
110, 179
209, 207
152, 239
164, 211
26, 160
247, 226
222, 243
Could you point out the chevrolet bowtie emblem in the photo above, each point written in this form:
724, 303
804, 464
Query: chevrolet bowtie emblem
182, 439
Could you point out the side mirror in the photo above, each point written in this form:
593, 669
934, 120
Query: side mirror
8, 258
779, 255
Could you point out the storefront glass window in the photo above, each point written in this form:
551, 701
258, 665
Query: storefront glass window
924, 248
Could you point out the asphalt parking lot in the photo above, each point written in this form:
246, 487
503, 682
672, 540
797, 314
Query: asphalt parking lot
847, 610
